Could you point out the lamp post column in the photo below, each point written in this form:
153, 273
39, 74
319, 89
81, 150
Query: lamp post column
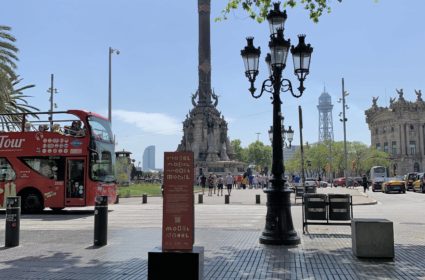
110, 87
344, 120
279, 228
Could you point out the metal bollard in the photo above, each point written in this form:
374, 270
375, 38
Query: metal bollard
144, 198
13, 217
200, 198
101, 221
257, 199
226, 199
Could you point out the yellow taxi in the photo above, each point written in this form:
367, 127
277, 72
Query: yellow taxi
394, 184
409, 178
419, 184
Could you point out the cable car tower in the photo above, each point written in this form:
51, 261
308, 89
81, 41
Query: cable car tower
325, 106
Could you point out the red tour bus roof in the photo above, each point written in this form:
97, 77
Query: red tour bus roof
82, 113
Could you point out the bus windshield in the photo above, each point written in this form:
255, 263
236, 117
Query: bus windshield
100, 129
102, 157
379, 169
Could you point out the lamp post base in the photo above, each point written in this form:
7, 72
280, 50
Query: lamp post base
279, 229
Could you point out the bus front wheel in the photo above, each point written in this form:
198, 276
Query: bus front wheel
32, 202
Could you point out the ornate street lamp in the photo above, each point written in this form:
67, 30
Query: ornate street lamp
287, 134
279, 229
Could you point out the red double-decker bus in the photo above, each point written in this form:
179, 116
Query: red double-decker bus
56, 159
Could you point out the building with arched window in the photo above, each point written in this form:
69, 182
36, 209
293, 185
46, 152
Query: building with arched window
399, 130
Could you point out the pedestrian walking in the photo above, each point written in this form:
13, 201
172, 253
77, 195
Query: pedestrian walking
215, 182
203, 183
229, 183
364, 182
220, 183
244, 182
210, 184
255, 181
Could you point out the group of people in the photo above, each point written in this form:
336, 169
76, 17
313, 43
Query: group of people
76, 129
216, 183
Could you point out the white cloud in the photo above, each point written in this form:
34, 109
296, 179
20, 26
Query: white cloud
157, 123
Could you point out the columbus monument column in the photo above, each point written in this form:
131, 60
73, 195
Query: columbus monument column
205, 129
204, 51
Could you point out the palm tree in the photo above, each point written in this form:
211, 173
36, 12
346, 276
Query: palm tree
12, 99
14, 105
8, 53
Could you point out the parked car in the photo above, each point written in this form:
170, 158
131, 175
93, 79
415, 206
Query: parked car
311, 185
394, 184
419, 184
358, 181
339, 182
311, 182
323, 184
409, 178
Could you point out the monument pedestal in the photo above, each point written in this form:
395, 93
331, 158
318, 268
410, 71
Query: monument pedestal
176, 264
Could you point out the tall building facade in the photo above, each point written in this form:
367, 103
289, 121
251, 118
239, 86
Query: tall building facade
149, 158
326, 132
399, 130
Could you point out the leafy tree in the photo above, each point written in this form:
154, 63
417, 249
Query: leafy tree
360, 159
259, 154
239, 150
258, 9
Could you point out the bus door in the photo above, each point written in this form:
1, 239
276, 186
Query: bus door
75, 183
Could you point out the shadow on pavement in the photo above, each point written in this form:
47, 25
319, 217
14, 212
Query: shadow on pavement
67, 266
280, 262
330, 235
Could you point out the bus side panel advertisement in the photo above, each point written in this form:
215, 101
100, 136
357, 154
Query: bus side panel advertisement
178, 207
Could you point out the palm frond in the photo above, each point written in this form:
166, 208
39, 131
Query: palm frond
8, 46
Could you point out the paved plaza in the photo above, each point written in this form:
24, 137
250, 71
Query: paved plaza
61, 246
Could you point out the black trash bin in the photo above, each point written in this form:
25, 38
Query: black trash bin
315, 206
339, 207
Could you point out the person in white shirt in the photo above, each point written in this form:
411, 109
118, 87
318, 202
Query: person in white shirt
229, 183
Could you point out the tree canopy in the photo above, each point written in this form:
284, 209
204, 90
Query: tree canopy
258, 9
323, 158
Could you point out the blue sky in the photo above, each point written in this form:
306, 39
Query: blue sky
376, 47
